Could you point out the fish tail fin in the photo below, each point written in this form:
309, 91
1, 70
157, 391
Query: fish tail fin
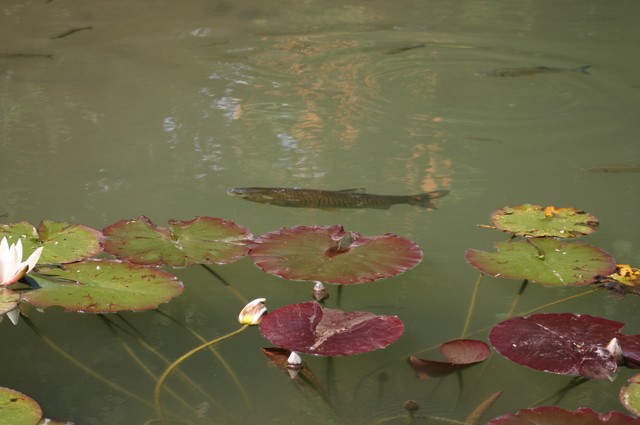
423, 200
582, 69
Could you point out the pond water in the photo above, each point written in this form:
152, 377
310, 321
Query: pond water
159, 107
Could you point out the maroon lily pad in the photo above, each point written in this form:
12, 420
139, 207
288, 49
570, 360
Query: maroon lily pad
458, 354
547, 415
565, 343
203, 240
309, 328
630, 345
329, 254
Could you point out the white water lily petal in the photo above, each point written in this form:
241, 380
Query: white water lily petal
33, 259
294, 360
12, 268
14, 315
252, 313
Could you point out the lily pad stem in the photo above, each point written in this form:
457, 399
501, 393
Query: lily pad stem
472, 306
55, 347
175, 364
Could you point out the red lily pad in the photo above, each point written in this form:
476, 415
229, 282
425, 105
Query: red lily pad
17, 408
330, 254
63, 242
564, 343
203, 240
534, 220
309, 328
102, 286
547, 415
630, 345
547, 261
458, 354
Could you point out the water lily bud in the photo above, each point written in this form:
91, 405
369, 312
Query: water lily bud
294, 361
319, 292
252, 313
411, 406
616, 351
294, 364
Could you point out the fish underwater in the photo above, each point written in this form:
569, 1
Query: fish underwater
327, 199
535, 70
613, 168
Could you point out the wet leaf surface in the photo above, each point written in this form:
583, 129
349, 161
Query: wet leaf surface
564, 343
534, 220
203, 240
309, 328
630, 395
458, 354
102, 286
557, 416
546, 261
330, 254
18, 409
63, 242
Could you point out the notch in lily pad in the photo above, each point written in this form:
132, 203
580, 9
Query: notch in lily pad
312, 329
458, 354
547, 261
567, 344
63, 242
332, 255
203, 240
538, 221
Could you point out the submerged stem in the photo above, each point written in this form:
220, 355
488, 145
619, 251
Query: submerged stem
472, 306
217, 355
517, 299
55, 347
542, 307
230, 287
175, 364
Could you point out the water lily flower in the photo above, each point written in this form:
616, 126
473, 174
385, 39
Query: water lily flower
12, 268
252, 313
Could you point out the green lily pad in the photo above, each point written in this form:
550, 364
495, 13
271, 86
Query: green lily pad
534, 220
630, 395
102, 286
63, 242
204, 240
329, 254
18, 409
8, 300
546, 260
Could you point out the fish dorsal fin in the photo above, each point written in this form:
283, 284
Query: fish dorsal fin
357, 189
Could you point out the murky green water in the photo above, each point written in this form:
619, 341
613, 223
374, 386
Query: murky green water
162, 106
